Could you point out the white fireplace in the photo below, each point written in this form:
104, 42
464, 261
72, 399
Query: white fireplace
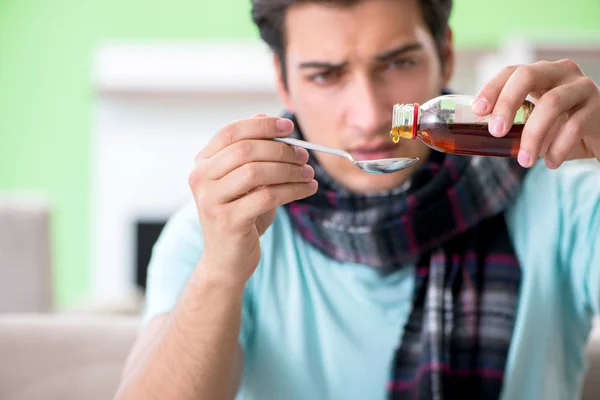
157, 105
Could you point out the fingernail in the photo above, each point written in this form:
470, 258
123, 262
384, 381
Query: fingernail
284, 125
523, 158
312, 185
496, 126
550, 164
307, 171
480, 106
302, 154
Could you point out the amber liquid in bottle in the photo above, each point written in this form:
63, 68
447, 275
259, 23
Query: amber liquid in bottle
447, 124
465, 138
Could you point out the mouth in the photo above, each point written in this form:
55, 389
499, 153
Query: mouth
374, 152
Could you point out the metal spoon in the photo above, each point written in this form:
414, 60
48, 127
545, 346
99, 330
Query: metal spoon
382, 166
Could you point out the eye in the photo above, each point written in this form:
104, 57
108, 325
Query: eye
325, 77
401, 63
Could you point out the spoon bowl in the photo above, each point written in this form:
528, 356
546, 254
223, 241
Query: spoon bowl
381, 166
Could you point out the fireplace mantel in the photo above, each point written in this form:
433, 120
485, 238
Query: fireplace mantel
183, 68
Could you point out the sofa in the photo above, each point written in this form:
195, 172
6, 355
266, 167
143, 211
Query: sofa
25, 254
80, 357
63, 357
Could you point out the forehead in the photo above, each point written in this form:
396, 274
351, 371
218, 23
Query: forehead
334, 31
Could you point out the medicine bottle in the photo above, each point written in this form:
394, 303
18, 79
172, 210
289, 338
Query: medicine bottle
447, 124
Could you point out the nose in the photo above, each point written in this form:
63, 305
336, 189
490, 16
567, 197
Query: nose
366, 106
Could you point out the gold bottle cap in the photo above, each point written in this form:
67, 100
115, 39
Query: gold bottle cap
404, 121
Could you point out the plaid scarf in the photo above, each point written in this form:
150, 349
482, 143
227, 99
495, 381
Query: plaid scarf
449, 223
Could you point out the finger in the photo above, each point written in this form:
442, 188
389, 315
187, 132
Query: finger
482, 103
248, 151
252, 128
552, 106
562, 118
254, 175
526, 79
568, 141
266, 198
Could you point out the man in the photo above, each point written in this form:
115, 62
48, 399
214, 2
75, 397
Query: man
458, 278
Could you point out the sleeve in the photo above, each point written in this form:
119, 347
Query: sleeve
174, 257
579, 188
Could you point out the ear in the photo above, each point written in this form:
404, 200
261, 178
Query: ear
281, 85
448, 52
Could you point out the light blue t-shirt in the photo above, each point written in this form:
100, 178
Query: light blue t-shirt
314, 328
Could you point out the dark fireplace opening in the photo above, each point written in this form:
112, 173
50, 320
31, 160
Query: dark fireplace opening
146, 234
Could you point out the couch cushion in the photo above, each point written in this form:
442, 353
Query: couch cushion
61, 357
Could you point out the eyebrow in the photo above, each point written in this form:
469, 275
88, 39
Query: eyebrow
322, 65
398, 51
388, 55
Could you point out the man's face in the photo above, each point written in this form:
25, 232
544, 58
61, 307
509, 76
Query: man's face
346, 68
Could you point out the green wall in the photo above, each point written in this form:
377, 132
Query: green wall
475, 23
45, 93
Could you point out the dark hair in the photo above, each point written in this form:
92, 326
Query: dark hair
269, 17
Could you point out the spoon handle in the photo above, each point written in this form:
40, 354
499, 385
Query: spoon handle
316, 147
